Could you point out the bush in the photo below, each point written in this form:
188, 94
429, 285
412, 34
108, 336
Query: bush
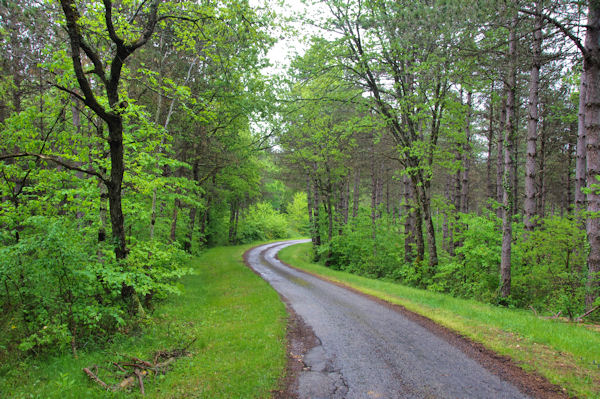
297, 211
262, 222
553, 270
356, 251
473, 272
60, 288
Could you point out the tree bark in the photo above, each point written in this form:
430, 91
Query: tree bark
490, 139
532, 126
309, 207
356, 193
508, 181
580, 167
500, 152
592, 128
466, 155
541, 200
409, 225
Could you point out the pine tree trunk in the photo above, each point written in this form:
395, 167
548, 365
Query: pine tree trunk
309, 200
356, 193
490, 139
500, 152
508, 181
409, 228
316, 212
466, 155
541, 200
580, 167
532, 126
346, 200
592, 127
568, 184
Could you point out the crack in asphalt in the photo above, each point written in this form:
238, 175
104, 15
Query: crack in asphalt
367, 350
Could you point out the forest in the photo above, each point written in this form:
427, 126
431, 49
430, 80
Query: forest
448, 145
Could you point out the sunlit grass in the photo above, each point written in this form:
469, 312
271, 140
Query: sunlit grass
567, 354
238, 322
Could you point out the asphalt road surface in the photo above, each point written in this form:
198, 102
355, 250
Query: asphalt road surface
368, 350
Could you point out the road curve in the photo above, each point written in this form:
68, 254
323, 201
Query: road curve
368, 350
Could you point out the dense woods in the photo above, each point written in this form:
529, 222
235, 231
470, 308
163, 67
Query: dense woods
126, 142
453, 146
449, 145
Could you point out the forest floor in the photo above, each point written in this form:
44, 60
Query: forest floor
525, 349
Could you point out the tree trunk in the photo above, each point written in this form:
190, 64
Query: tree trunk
309, 200
429, 228
117, 170
316, 213
409, 225
542, 174
346, 200
356, 193
592, 127
233, 210
176, 205
500, 152
580, 167
466, 155
490, 139
568, 185
508, 182
532, 125
187, 246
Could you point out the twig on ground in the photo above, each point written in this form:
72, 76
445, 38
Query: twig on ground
589, 312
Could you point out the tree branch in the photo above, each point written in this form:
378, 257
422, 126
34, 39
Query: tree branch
72, 18
559, 26
57, 161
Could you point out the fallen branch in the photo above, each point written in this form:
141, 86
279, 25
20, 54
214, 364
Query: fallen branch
95, 378
589, 312
136, 369
533, 310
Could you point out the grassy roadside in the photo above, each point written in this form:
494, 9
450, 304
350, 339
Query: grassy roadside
566, 354
239, 323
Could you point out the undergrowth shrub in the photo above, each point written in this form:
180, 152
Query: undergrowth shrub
297, 211
473, 272
262, 222
552, 272
548, 264
60, 289
366, 249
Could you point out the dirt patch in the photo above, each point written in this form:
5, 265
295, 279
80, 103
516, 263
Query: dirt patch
529, 383
300, 339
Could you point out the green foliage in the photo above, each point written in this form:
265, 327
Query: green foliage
548, 264
473, 273
297, 211
51, 286
61, 289
238, 322
552, 273
262, 222
366, 249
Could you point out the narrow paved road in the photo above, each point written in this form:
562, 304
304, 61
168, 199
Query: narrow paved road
369, 350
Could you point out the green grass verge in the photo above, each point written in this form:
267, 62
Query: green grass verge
238, 320
567, 354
